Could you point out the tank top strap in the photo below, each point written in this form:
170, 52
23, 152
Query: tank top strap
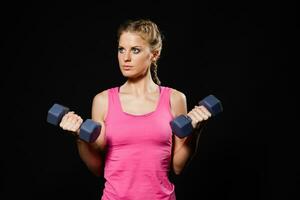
113, 102
165, 99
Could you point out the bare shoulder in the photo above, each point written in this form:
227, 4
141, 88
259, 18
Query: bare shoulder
178, 102
177, 96
101, 96
100, 106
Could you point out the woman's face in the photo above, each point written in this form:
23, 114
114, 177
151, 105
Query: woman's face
134, 55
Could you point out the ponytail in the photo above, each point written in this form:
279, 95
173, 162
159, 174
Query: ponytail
153, 69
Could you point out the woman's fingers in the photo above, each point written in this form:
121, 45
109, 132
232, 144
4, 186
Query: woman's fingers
199, 114
71, 122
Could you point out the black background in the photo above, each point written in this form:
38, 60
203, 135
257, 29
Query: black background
66, 53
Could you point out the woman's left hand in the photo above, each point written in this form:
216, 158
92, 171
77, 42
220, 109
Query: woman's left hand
199, 114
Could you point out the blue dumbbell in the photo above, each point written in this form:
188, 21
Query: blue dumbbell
89, 129
182, 125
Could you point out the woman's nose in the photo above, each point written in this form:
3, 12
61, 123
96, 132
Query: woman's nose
127, 57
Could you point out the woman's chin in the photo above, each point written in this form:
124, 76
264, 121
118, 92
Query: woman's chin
128, 74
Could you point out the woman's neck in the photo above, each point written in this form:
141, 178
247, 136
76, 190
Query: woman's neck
139, 87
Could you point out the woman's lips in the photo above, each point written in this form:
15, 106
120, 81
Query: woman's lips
127, 67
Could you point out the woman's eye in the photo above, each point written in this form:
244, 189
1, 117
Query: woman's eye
135, 50
121, 50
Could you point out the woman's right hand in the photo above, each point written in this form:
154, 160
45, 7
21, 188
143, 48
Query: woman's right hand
71, 122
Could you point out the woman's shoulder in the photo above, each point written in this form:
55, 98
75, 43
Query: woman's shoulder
100, 103
176, 95
103, 95
177, 101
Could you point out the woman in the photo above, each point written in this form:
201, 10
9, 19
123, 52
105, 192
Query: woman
136, 146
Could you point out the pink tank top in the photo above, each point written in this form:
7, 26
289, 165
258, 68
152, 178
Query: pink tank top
138, 151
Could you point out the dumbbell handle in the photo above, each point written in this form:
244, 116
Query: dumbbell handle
182, 125
89, 129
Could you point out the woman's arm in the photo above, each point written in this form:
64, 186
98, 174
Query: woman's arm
92, 154
185, 147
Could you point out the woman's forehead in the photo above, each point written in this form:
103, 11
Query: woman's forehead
130, 38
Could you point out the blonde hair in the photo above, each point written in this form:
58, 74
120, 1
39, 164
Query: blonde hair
150, 32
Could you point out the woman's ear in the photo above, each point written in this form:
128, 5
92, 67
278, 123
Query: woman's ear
155, 56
